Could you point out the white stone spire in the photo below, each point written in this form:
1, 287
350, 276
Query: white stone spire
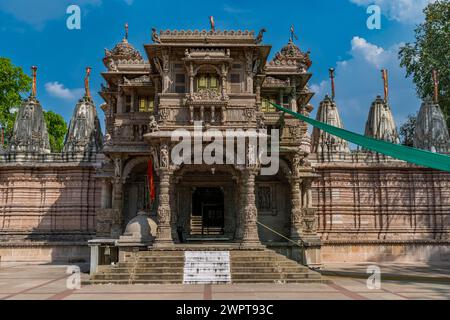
380, 122
30, 131
431, 132
323, 141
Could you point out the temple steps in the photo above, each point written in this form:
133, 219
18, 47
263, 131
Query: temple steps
168, 267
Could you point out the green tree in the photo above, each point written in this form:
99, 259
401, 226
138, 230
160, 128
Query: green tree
57, 129
13, 82
431, 50
407, 130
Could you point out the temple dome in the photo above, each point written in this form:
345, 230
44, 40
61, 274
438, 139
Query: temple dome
291, 55
431, 132
141, 228
323, 141
123, 51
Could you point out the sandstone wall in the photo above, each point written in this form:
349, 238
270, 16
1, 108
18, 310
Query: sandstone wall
47, 208
372, 208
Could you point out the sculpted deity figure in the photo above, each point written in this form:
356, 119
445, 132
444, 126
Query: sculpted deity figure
153, 125
164, 156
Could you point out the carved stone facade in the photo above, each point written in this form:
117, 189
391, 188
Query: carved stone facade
313, 208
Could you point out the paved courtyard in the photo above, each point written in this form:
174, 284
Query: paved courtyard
48, 282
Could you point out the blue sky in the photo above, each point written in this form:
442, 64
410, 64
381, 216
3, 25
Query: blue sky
34, 32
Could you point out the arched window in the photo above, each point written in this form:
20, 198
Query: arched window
207, 81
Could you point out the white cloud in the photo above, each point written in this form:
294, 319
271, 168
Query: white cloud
58, 90
319, 89
358, 81
405, 11
232, 10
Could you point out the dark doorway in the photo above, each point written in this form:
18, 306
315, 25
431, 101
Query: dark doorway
207, 211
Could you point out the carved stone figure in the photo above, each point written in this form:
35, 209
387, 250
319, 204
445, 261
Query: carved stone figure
155, 36
117, 167
260, 35
153, 124
164, 156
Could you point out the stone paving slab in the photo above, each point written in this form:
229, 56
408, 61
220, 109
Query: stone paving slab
390, 271
42, 282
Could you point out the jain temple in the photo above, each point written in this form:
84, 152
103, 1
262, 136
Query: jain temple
117, 202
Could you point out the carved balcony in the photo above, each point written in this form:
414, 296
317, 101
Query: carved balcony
207, 102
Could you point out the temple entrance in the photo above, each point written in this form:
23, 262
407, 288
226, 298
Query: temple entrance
207, 217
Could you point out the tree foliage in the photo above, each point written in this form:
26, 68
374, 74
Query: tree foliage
57, 129
407, 130
431, 50
13, 82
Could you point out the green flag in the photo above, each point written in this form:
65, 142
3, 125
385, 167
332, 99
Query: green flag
412, 155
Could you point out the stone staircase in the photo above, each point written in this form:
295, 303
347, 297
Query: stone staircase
168, 267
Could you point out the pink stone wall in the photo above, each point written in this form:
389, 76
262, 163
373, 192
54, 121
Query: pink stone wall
48, 203
382, 213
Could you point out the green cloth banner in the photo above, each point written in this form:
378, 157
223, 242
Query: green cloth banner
412, 155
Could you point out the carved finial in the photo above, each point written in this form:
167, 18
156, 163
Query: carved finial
436, 86
86, 82
293, 36
331, 70
33, 88
211, 22
384, 74
126, 31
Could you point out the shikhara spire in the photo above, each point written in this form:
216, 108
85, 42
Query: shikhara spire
30, 130
84, 129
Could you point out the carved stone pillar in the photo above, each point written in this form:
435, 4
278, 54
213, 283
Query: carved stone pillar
249, 212
173, 209
164, 232
293, 97
116, 219
156, 100
106, 195
296, 210
164, 212
117, 199
120, 104
133, 101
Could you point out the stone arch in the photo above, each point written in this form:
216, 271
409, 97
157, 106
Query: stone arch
131, 165
197, 68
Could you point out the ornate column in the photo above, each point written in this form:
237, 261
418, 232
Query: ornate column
106, 195
296, 210
116, 219
249, 212
311, 239
120, 103
293, 96
164, 231
191, 78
